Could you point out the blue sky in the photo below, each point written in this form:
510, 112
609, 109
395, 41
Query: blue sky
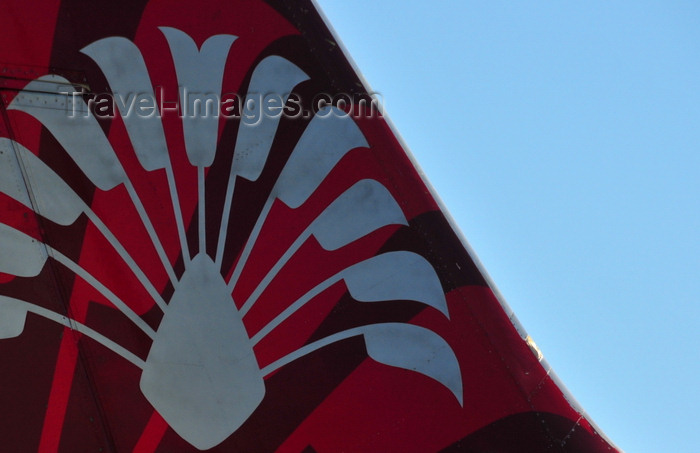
564, 138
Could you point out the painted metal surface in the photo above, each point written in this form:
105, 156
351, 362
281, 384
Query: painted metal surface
210, 239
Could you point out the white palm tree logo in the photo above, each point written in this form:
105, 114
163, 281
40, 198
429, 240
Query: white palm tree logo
201, 373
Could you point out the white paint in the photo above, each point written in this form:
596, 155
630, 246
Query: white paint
357, 212
398, 275
20, 254
200, 73
123, 66
81, 136
328, 137
201, 374
272, 75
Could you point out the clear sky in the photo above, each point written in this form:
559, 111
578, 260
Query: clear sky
564, 138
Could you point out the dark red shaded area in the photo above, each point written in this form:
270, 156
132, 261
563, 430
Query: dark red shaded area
25, 382
531, 432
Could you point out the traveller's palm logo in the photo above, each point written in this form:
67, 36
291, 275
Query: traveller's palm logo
201, 373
